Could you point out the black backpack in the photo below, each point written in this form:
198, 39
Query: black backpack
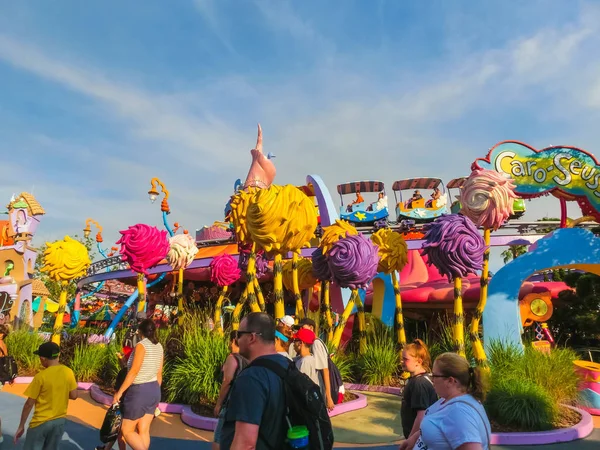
304, 403
8, 369
109, 431
335, 380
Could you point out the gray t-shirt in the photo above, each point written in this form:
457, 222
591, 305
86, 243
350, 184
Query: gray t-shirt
308, 366
257, 397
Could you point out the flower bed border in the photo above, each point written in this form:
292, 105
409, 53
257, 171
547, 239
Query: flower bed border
579, 431
187, 415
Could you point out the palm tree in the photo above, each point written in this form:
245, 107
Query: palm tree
512, 252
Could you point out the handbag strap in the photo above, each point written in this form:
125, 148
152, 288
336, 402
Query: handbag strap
487, 432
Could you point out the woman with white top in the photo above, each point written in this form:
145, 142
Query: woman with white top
141, 388
457, 421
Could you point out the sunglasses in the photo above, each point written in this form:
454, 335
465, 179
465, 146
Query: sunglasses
241, 333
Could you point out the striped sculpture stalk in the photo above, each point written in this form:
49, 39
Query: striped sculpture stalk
487, 198
64, 261
393, 256
458, 325
251, 281
278, 286
224, 271
353, 264
455, 247
478, 350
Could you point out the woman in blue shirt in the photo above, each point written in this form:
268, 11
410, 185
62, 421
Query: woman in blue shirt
457, 421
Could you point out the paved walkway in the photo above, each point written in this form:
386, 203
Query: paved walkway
377, 424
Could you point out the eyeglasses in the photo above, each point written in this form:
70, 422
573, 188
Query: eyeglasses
241, 333
440, 376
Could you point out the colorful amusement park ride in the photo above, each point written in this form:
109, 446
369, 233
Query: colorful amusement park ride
417, 207
359, 212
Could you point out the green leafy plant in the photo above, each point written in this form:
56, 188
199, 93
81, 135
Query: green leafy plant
379, 364
88, 361
441, 339
520, 404
345, 364
195, 376
529, 386
21, 344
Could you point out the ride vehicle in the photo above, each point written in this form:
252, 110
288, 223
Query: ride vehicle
416, 208
362, 213
457, 183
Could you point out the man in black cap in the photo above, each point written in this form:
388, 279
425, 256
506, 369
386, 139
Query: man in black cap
319, 351
49, 391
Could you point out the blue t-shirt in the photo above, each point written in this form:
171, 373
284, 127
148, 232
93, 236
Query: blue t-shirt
448, 425
257, 397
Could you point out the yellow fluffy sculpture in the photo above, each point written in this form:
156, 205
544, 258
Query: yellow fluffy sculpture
393, 256
64, 261
296, 278
281, 219
333, 233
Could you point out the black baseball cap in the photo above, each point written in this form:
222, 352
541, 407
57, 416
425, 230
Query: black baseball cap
307, 321
48, 350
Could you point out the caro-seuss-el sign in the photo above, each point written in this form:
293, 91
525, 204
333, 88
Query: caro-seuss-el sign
567, 172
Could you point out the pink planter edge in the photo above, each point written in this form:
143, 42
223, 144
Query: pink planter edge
583, 429
187, 415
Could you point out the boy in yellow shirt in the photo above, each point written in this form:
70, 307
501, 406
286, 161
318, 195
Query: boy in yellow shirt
49, 392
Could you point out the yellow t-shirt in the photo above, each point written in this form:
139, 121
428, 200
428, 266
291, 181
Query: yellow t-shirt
50, 389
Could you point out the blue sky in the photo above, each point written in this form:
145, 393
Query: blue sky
98, 97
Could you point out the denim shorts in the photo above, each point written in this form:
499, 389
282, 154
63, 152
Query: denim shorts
140, 399
46, 436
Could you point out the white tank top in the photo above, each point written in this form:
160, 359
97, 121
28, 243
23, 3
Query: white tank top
151, 363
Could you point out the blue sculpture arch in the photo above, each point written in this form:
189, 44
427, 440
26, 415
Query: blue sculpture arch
572, 248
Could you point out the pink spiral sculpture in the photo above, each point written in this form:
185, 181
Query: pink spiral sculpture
487, 198
224, 270
143, 247
353, 261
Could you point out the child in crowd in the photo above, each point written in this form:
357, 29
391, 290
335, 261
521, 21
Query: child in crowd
419, 393
305, 362
282, 340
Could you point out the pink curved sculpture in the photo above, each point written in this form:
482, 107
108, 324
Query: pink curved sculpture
262, 171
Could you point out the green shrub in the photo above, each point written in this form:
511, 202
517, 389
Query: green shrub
381, 361
88, 361
108, 372
345, 364
21, 344
196, 376
441, 339
518, 403
532, 381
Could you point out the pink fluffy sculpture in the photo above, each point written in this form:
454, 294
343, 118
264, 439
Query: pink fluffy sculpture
143, 247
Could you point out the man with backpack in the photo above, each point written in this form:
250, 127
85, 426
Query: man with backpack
271, 396
322, 364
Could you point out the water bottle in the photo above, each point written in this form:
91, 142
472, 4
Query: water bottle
297, 438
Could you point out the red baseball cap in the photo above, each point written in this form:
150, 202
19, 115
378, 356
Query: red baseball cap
305, 335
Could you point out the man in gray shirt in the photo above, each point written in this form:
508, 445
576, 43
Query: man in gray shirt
305, 362
319, 351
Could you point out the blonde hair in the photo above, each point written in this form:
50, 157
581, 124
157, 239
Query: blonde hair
418, 349
474, 379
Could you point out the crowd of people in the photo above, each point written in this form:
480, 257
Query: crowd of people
441, 403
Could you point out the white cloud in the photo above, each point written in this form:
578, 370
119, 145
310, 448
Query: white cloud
339, 120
